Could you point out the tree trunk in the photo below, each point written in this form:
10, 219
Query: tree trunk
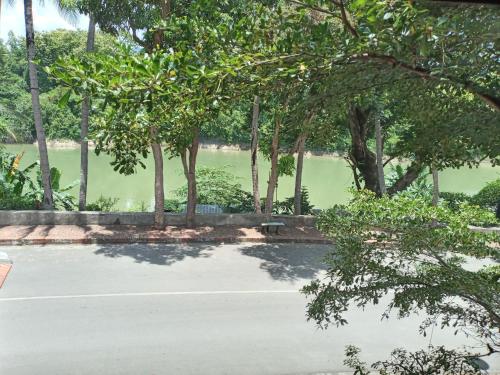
273, 177
159, 214
411, 174
379, 155
192, 194
185, 167
254, 149
361, 156
48, 202
297, 200
435, 185
84, 144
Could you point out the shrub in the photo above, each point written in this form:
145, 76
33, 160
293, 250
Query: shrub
286, 206
489, 196
216, 186
105, 204
454, 200
62, 198
11, 201
173, 205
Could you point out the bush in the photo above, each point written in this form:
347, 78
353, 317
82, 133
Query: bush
489, 196
19, 191
454, 200
105, 204
243, 203
216, 186
173, 205
11, 201
286, 207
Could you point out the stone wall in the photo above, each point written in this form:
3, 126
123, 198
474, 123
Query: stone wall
141, 218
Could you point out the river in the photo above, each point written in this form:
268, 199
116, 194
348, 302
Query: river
327, 178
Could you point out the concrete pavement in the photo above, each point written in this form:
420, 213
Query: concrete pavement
180, 309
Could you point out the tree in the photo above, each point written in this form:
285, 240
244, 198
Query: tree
84, 144
48, 201
379, 154
274, 156
253, 154
419, 258
435, 185
452, 45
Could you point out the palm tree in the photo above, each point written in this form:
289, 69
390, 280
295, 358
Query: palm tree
84, 145
48, 201
68, 11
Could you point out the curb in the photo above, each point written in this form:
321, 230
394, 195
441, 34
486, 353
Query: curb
165, 240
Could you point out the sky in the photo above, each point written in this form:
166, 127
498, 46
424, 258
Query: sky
45, 18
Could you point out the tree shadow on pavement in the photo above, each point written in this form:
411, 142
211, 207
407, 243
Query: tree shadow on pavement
160, 254
290, 261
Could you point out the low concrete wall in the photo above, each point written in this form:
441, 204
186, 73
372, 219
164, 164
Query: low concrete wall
141, 218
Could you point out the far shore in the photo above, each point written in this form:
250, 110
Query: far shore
69, 144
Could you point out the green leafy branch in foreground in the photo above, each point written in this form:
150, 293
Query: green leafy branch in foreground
437, 360
414, 257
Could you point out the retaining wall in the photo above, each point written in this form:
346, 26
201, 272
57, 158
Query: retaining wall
142, 218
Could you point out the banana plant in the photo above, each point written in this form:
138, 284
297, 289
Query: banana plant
18, 183
62, 198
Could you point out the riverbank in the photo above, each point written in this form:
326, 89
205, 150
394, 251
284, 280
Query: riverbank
212, 146
327, 178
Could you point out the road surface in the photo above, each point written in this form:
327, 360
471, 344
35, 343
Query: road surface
180, 309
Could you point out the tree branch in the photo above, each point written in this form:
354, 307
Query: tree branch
492, 101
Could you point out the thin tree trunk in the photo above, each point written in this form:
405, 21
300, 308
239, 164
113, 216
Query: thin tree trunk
435, 185
254, 150
84, 144
361, 156
273, 177
379, 155
48, 202
297, 200
159, 215
185, 167
411, 174
192, 194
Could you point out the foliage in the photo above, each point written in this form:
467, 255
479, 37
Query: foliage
454, 200
286, 206
286, 165
105, 204
420, 188
173, 205
219, 187
19, 191
62, 198
139, 207
60, 122
416, 255
436, 360
488, 196
13, 181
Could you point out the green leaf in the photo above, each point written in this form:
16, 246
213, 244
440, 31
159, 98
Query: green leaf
63, 101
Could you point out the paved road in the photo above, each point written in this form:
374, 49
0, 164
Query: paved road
178, 309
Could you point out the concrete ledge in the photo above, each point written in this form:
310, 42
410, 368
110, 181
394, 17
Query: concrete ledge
88, 234
214, 240
141, 218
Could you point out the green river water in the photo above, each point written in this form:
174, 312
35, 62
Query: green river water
328, 178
